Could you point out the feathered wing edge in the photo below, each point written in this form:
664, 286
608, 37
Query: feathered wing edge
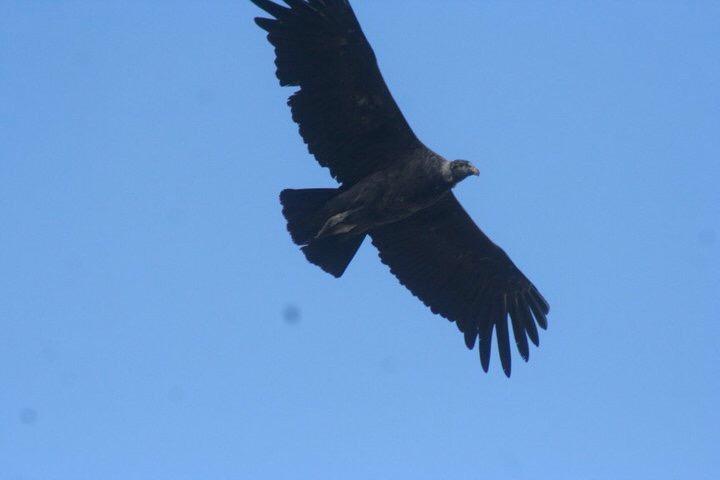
444, 259
344, 109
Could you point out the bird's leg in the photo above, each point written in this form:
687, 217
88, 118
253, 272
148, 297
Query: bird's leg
335, 225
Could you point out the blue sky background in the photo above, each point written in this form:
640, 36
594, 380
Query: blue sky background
159, 324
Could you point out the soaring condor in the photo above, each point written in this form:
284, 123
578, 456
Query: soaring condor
393, 188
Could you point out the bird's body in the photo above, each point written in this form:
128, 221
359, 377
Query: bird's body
388, 196
393, 188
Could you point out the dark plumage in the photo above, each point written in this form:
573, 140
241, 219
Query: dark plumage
393, 188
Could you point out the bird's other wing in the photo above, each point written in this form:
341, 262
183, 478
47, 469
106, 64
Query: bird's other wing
346, 113
446, 261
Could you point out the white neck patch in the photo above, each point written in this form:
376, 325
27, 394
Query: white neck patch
446, 171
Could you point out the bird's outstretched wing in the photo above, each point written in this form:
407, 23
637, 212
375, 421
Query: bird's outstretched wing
445, 260
346, 113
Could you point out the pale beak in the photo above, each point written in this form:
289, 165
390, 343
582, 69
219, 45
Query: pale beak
475, 171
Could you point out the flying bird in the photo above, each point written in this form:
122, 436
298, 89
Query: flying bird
392, 187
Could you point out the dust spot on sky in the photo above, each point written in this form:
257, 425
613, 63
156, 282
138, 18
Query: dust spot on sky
176, 394
707, 237
69, 379
204, 96
48, 354
291, 314
28, 416
388, 365
75, 264
513, 466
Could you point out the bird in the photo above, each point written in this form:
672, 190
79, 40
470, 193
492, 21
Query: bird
392, 187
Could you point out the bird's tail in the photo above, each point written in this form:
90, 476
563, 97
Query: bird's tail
333, 254
300, 208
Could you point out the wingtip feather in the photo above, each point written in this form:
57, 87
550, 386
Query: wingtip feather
485, 347
470, 338
538, 309
266, 24
530, 326
518, 325
503, 337
277, 11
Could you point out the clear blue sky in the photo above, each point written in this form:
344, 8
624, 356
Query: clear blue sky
146, 270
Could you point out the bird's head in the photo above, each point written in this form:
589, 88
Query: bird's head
461, 169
